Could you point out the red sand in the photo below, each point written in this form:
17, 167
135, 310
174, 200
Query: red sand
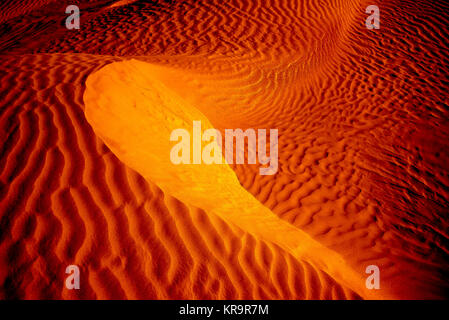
363, 177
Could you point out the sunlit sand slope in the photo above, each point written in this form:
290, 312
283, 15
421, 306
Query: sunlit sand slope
71, 201
133, 112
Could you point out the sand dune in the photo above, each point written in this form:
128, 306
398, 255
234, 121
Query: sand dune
86, 179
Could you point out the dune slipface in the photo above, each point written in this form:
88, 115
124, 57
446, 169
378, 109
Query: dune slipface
85, 170
134, 113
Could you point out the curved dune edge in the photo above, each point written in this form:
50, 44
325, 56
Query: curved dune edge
83, 206
134, 113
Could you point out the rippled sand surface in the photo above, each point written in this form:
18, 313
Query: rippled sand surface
86, 177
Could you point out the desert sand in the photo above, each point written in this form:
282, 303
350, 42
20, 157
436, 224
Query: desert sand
85, 171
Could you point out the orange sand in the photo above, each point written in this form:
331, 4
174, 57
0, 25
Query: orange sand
86, 177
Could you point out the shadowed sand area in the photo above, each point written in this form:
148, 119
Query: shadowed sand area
86, 177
